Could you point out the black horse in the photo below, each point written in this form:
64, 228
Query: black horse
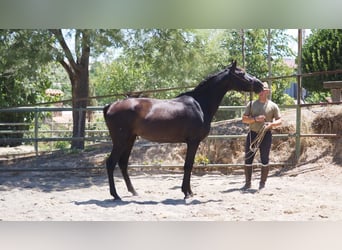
185, 118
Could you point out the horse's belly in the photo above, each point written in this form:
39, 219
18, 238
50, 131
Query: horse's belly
170, 131
162, 139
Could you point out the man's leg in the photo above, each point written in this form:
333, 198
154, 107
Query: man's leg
248, 177
264, 174
265, 148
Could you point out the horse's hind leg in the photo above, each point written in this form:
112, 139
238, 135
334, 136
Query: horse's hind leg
123, 163
110, 165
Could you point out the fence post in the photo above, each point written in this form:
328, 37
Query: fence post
335, 88
36, 130
299, 95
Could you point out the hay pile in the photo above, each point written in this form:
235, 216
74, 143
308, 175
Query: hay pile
211, 150
223, 150
330, 122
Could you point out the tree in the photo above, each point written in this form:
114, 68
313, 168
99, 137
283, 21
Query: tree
322, 51
169, 57
159, 58
254, 42
251, 46
30, 49
165, 58
23, 77
76, 64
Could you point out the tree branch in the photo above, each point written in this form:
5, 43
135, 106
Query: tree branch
68, 54
68, 70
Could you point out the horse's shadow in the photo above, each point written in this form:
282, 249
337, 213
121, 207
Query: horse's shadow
108, 203
248, 191
112, 203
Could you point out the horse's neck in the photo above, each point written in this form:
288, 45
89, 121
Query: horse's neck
210, 101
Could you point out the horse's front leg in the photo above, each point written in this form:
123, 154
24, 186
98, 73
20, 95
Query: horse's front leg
189, 161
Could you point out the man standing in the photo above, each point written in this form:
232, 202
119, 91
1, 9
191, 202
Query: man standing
261, 115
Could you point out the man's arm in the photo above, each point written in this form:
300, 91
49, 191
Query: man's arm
250, 119
275, 123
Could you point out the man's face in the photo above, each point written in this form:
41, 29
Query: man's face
264, 93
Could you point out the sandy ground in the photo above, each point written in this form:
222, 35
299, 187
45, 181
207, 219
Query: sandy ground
310, 192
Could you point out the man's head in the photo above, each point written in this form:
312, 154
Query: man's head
266, 86
265, 92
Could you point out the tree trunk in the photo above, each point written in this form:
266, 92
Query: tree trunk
78, 72
80, 89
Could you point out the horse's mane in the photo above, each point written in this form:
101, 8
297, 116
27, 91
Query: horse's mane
206, 82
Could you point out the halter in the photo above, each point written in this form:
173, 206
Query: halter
241, 78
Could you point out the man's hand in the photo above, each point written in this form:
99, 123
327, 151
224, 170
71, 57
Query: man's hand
260, 118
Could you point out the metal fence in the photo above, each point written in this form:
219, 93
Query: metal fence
45, 130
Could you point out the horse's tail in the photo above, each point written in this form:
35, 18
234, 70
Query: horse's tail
105, 109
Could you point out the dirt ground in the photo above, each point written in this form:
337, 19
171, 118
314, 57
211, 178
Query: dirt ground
309, 191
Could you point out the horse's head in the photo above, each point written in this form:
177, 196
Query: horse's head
242, 81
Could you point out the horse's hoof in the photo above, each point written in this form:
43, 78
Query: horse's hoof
188, 196
117, 198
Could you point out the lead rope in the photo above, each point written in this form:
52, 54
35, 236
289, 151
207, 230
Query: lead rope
254, 145
250, 112
250, 135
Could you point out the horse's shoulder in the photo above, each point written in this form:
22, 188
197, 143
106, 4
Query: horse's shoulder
190, 103
186, 99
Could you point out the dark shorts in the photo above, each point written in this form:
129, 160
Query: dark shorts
264, 148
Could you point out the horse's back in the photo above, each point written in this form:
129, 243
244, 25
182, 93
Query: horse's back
173, 120
149, 108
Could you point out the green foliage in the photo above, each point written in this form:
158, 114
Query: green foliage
322, 51
59, 79
280, 85
148, 59
26, 54
154, 59
62, 145
317, 97
23, 76
250, 46
232, 98
201, 159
